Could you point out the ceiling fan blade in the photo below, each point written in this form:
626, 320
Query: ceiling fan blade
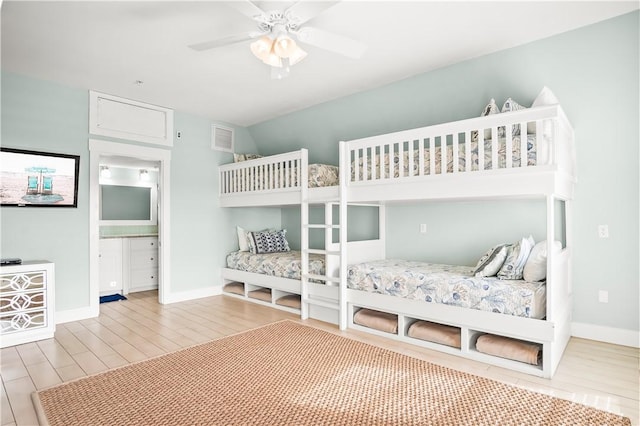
224, 41
333, 42
248, 9
306, 10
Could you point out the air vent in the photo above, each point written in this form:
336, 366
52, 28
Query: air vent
222, 138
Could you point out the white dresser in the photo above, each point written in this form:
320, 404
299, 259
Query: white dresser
27, 302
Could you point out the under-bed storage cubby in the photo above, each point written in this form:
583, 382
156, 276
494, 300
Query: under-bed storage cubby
507, 348
234, 287
428, 331
287, 301
376, 320
259, 293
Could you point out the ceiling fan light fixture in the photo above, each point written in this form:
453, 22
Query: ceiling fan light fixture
262, 48
273, 60
278, 73
297, 56
284, 46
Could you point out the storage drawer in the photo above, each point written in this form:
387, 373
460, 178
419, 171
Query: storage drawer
144, 277
21, 321
23, 301
147, 259
23, 281
145, 243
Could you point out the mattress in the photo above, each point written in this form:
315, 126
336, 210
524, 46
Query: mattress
285, 265
532, 156
450, 285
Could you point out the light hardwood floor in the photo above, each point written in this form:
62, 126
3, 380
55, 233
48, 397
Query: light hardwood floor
597, 374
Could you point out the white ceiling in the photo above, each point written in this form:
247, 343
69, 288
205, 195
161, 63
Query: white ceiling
107, 46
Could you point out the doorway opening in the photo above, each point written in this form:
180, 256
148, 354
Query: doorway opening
129, 220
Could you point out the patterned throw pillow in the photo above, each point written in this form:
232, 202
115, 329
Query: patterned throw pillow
490, 109
517, 255
244, 157
267, 242
490, 263
510, 105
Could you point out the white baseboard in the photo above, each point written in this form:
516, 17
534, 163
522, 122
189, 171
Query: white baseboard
617, 336
74, 315
183, 296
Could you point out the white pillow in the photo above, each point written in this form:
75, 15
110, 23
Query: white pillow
242, 239
517, 256
545, 97
536, 267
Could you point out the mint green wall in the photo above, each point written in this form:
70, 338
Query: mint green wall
202, 233
45, 116
594, 72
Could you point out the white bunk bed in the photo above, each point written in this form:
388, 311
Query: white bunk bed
284, 180
469, 170
276, 180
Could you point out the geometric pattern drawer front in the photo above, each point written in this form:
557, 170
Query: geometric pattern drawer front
19, 302
21, 321
24, 281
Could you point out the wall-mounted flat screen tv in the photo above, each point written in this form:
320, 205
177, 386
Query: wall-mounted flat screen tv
38, 179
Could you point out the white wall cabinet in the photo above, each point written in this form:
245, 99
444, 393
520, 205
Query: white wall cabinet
128, 265
27, 303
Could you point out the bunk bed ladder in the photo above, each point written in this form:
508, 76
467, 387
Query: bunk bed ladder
331, 253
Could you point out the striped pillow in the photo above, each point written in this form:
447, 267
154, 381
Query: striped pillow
517, 255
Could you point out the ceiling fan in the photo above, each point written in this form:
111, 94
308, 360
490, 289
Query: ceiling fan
275, 44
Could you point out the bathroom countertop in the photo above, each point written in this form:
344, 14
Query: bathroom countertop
104, 237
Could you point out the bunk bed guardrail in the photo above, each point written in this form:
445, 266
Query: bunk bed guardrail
279, 172
480, 144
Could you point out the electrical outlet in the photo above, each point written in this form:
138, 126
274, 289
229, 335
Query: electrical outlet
603, 296
178, 134
423, 228
113, 284
603, 231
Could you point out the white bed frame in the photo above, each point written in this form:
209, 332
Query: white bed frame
276, 180
552, 178
282, 180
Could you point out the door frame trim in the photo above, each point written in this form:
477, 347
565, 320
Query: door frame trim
97, 148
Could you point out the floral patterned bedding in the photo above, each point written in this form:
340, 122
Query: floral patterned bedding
451, 285
323, 175
285, 265
516, 158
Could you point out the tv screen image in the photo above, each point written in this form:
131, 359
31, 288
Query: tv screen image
38, 179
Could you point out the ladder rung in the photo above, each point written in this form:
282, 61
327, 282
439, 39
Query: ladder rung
330, 305
318, 251
322, 278
320, 226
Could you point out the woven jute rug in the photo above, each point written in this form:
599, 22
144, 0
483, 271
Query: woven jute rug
291, 374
